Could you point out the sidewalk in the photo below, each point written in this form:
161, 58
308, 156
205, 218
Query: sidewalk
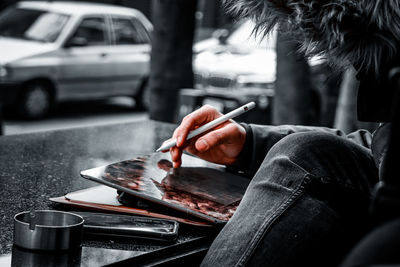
73, 115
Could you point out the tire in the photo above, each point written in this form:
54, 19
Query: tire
142, 97
1, 120
35, 101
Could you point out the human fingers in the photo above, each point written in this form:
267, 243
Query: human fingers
226, 134
213, 138
195, 119
176, 156
175, 152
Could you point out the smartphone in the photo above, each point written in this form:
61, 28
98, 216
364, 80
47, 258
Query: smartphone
129, 226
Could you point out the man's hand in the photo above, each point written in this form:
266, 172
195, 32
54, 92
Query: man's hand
220, 145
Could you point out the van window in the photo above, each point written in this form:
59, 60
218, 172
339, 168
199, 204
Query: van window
93, 29
127, 32
29, 24
144, 35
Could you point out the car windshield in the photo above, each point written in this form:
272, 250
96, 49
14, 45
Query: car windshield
30, 24
244, 36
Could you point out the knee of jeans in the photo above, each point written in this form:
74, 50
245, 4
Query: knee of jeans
283, 164
315, 152
325, 156
303, 145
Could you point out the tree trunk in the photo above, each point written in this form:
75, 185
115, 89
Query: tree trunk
171, 56
295, 101
346, 115
326, 81
346, 111
1, 118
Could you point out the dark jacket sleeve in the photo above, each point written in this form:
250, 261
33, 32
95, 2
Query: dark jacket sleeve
260, 139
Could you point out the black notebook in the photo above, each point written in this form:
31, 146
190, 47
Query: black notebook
197, 188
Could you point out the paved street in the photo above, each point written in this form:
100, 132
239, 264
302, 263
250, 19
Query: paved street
81, 114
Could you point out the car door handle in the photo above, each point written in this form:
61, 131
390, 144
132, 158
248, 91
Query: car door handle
103, 54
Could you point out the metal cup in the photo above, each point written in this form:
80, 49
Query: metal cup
48, 230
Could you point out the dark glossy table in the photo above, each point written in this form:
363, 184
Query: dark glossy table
37, 166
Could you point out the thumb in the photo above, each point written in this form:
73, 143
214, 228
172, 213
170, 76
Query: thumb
214, 138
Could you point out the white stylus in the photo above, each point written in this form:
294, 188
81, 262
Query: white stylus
210, 125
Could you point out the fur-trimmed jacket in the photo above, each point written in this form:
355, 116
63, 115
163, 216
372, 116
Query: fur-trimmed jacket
361, 33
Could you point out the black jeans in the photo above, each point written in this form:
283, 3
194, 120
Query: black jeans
307, 205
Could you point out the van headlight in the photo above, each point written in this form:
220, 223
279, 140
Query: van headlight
3, 72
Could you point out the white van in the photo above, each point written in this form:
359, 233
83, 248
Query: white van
58, 51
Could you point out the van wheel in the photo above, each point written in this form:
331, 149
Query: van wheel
35, 101
142, 97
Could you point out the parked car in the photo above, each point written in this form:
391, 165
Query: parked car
58, 51
234, 64
235, 59
232, 68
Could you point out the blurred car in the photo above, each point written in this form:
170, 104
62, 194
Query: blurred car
231, 68
235, 60
59, 51
236, 65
